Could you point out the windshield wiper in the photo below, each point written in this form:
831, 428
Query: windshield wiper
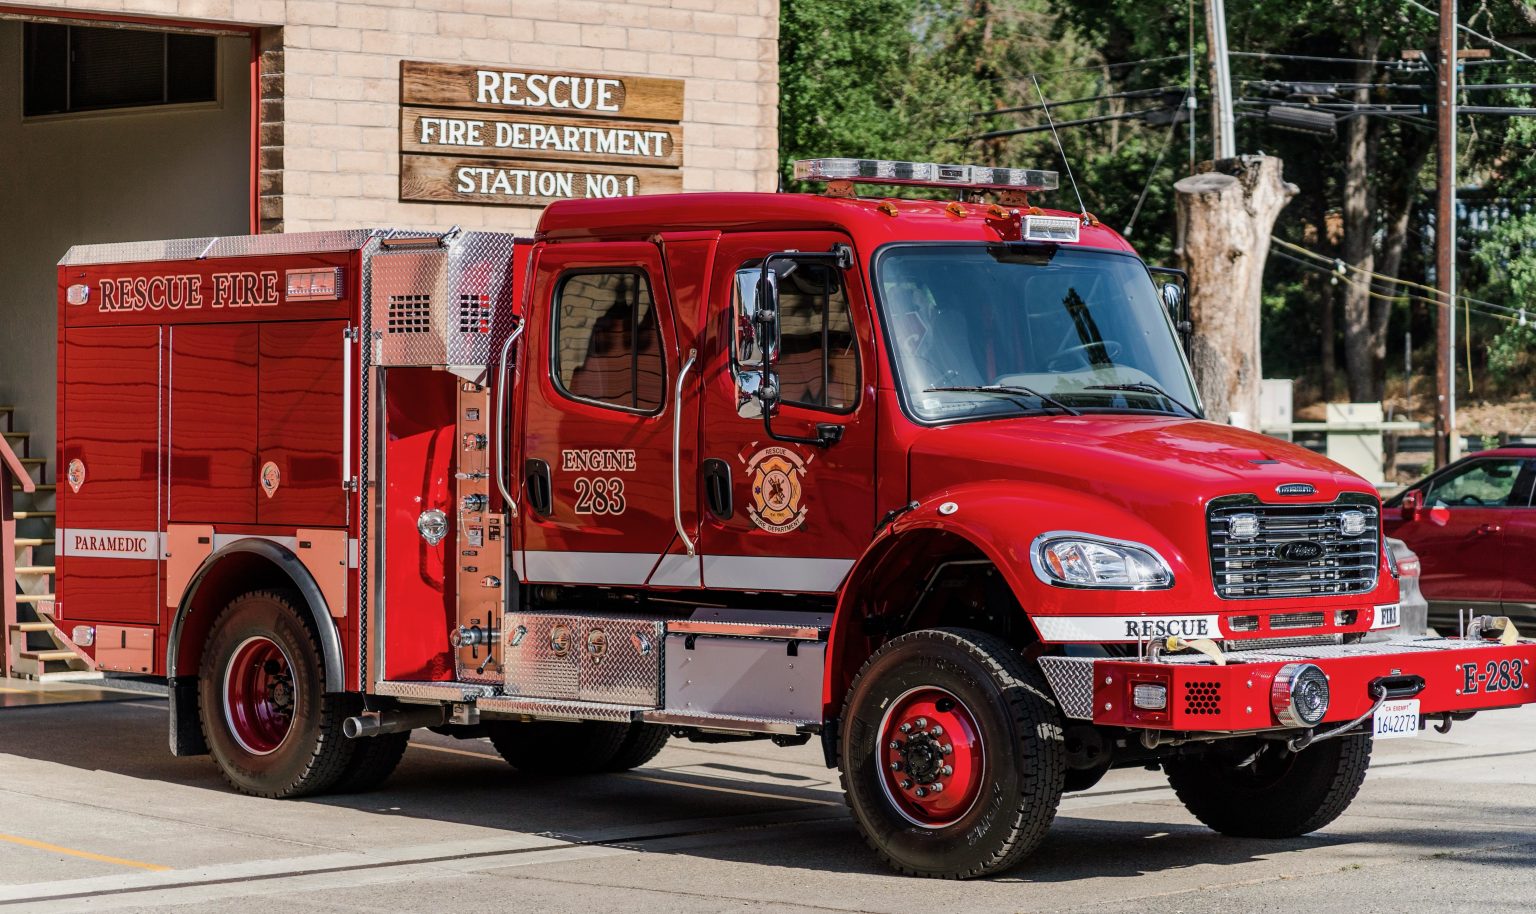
1009, 390
1148, 388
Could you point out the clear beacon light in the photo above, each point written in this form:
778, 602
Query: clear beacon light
929, 174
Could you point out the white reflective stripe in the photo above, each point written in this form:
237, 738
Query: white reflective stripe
1125, 628
588, 567
677, 571
772, 572
110, 544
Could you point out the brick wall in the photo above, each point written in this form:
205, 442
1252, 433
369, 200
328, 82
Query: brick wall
331, 87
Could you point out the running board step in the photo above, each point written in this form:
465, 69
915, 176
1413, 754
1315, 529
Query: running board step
727, 722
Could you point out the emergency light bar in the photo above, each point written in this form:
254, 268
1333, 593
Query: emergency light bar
926, 174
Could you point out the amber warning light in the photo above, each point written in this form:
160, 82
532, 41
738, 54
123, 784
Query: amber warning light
314, 285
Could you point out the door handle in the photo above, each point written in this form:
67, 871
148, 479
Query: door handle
541, 491
501, 417
717, 488
1486, 529
677, 452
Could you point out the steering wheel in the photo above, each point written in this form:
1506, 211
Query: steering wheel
1470, 500
1058, 362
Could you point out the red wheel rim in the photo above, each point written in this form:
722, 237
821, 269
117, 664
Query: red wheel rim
259, 695
931, 758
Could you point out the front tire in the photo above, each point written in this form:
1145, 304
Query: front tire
1281, 794
268, 722
951, 754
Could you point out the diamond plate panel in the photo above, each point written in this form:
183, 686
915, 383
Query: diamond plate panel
227, 246
621, 661
541, 654
444, 305
433, 691
1071, 678
553, 709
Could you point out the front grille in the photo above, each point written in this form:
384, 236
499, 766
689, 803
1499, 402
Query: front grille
1262, 567
1296, 620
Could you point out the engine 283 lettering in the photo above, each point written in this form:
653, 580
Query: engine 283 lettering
599, 494
1493, 676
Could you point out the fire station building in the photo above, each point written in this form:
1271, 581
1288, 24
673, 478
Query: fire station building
125, 120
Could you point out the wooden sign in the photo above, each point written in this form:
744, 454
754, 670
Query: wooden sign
526, 137
446, 131
451, 179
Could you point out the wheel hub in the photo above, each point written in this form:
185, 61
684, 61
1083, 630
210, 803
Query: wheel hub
260, 695
933, 757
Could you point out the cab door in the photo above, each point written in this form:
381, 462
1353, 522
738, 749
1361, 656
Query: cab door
779, 515
601, 356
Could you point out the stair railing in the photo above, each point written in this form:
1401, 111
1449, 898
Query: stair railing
11, 473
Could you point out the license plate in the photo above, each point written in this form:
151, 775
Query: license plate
1397, 719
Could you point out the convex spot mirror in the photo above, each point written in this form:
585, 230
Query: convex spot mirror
757, 319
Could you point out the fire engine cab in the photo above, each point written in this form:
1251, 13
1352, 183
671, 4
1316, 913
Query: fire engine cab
924, 480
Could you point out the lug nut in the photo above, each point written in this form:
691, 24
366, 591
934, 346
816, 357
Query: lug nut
937, 730
947, 770
937, 788
895, 744
906, 728
922, 723
946, 748
895, 766
920, 792
906, 784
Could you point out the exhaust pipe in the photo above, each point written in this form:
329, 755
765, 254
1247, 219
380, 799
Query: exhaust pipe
379, 723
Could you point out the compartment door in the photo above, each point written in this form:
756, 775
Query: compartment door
298, 446
213, 424
109, 517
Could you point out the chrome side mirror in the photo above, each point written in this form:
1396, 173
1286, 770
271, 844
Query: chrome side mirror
765, 315
1173, 300
749, 400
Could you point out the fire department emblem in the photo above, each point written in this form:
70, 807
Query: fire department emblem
778, 493
271, 478
75, 475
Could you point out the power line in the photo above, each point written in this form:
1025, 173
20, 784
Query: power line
1392, 280
1142, 197
1397, 299
1470, 31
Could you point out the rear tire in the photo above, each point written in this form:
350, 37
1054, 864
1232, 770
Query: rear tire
1283, 794
374, 759
963, 710
640, 745
556, 747
268, 722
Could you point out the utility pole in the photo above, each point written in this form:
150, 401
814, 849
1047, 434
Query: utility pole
1223, 128
1446, 441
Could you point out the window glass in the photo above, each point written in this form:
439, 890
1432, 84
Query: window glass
70, 68
606, 345
818, 362
1482, 483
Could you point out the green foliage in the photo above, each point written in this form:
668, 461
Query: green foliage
1512, 355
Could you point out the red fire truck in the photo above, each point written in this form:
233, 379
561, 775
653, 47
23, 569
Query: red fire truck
924, 480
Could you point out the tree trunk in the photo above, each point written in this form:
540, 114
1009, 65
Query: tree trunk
1226, 214
1360, 363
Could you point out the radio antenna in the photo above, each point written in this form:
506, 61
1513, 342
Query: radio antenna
1083, 210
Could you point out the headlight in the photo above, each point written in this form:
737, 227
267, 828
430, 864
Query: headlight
1299, 696
1067, 559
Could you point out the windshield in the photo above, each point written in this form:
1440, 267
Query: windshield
1049, 329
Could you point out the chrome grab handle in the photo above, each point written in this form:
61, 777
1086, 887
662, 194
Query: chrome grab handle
501, 415
347, 336
677, 457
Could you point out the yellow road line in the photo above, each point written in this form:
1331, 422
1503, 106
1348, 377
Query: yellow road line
44, 846
653, 780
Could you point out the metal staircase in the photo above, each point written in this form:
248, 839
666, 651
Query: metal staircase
38, 649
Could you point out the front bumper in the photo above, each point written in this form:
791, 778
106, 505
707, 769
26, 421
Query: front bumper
1446, 675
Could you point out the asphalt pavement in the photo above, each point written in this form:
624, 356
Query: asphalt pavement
95, 815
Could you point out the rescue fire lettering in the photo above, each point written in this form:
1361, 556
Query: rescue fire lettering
85, 543
184, 292
1162, 628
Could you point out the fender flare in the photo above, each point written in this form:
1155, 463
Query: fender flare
290, 565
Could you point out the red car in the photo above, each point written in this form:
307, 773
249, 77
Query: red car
1473, 526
